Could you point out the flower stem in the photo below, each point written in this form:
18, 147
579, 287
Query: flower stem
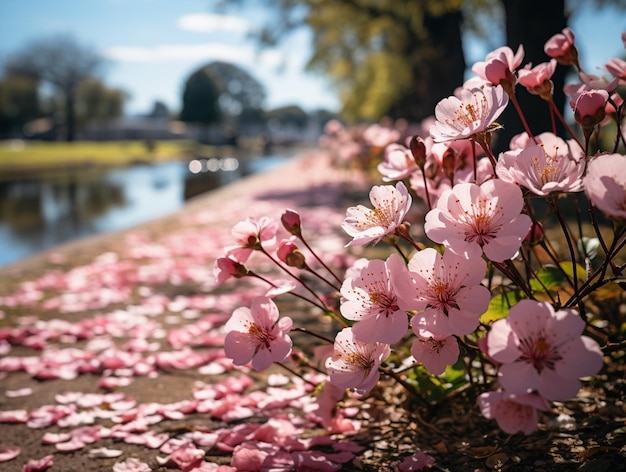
558, 114
339, 281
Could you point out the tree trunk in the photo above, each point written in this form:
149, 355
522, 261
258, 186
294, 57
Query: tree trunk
438, 67
532, 23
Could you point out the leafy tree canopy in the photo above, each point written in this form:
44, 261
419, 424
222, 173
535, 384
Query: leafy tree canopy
61, 61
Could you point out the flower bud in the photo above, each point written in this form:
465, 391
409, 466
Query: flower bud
418, 149
561, 47
289, 253
291, 222
226, 267
449, 164
589, 109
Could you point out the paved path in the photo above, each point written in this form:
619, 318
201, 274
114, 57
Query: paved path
110, 347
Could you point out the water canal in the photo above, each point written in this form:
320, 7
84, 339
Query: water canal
37, 214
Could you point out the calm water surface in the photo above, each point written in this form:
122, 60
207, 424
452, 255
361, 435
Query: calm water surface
42, 213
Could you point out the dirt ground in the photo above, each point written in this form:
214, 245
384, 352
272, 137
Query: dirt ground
152, 283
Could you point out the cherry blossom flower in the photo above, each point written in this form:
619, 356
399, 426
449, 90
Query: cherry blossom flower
445, 290
434, 351
257, 334
514, 413
354, 364
473, 113
543, 168
538, 79
470, 219
605, 184
542, 350
499, 66
391, 204
252, 234
371, 301
617, 68
398, 163
561, 47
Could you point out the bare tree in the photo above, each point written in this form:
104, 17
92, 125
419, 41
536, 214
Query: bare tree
62, 62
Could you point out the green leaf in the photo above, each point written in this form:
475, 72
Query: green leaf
580, 270
454, 375
499, 306
548, 277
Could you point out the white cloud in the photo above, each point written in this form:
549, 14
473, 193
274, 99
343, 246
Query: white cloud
245, 54
208, 23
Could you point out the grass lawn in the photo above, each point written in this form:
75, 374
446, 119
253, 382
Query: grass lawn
18, 156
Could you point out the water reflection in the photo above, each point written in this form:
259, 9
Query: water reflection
38, 214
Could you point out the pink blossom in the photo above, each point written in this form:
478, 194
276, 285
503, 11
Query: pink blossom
257, 334
391, 204
605, 184
226, 267
398, 164
470, 219
513, 413
131, 465
499, 65
371, 301
416, 461
105, 452
289, 253
434, 351
543, 168
252, 455
9, 453
561, 47
39, 465
291, 222
589, 107
314, 461
473, 113
445, 290
186, 457
354, 364
252, 234
326, 399
617, 68
14, 416
598, 82
538, 79
379, 136
543, 350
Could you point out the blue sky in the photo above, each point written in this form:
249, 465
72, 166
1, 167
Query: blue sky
154, 45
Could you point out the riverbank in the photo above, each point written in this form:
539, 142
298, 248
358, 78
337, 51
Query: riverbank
47, 208
21, 159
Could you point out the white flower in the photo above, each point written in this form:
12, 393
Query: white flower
391, 204
474, 112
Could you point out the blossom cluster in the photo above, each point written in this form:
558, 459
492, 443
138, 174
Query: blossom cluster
484, 245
